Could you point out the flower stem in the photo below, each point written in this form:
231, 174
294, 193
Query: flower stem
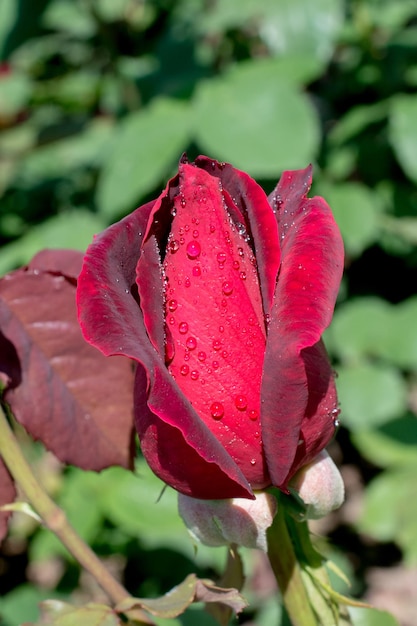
54, 517
287, 572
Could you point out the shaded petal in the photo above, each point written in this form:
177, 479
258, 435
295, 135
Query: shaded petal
312, 264
111, 319
260, 221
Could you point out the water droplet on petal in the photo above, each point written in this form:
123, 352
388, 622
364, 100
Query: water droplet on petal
217, 344
172, 305
221, 329
215, 365
183, 328
196, 271
187, 282
242, 275
253, 461
236, 265
173, 245
212, 228
184, 369
221, 258
183, 201
195, 234
241, 402
225, 354
194, 374
193, 249
253, 415
201, 356
217, 410
227, 288
191, 343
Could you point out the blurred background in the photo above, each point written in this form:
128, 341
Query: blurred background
98, 99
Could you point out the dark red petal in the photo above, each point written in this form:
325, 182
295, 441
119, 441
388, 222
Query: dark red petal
318, 424
312, 263
112, 320
67, 263
215, 317
260, 221
169, 454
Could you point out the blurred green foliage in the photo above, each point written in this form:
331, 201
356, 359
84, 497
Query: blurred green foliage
99, 98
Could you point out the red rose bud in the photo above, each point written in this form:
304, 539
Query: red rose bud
221, 295
320, 486
225, 522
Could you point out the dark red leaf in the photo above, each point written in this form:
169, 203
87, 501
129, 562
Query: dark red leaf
78, 403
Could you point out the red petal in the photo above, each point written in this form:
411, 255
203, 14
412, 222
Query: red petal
214, 313
312, 263
112, 320
259, 219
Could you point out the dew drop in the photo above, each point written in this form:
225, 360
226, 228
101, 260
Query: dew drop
187, 282
193, 249
217, 344
223, 303
183, 328
240, 252
183, 201
241, 402
225, 354
217, 410
171, 319
195, 234
253, 415
236, 265
201, 356
127, 291
172, 305
253, 461
221, 329
212, 228
196, 271
191, 343
173, 245
227, 288
242, 275
173, 211
221, 258
267, 318
184, 369
194, 374
215, 365
186, 356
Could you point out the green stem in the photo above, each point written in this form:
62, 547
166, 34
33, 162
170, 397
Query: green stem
54, 517
287, 572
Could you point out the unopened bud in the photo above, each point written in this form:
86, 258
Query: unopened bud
223, 522
320, 486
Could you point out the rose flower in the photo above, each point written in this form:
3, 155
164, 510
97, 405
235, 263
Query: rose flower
221, 294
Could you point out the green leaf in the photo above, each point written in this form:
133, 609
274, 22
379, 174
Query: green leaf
77, 501
139, 505
356, 212
403, 132
390, 510
171, 604
15, 91
72, 229
256, 121
8, 13
55, 613
302, 32
145, 149
370, 395
70, 17
359, 328
60, 158
393, 444
21, 604
371, 617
